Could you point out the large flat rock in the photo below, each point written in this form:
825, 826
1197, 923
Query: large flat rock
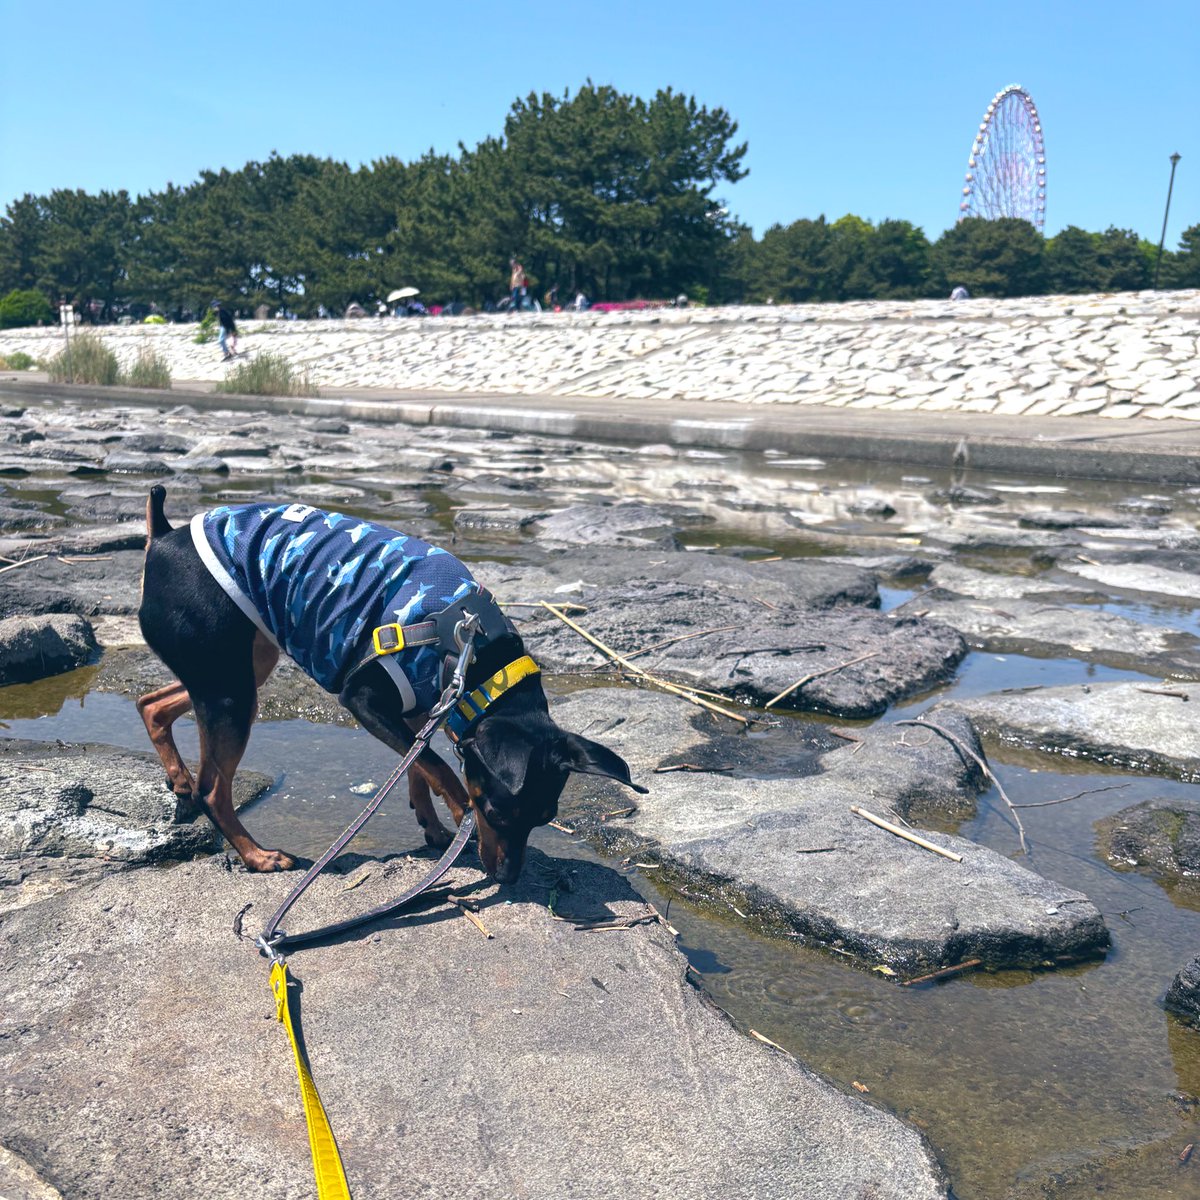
141, 1057
101, 584
583, 572
1048, 630
1139, 727
861, 661
91, 801
784, 848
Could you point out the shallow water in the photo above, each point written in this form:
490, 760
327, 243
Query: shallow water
1060, 1083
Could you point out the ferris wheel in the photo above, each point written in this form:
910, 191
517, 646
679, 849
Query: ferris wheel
1006, 173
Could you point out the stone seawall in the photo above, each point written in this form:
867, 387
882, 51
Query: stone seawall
1120, 356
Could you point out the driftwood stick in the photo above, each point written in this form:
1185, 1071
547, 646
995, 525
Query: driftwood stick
954, 970
687, 693
817, 675
965, 750
697, 767
903, 833
24, 562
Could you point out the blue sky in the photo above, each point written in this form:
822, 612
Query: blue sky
867, 108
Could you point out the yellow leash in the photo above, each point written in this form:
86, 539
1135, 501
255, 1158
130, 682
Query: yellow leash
327, 1162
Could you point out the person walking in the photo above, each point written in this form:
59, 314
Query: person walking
229, 333
518, 285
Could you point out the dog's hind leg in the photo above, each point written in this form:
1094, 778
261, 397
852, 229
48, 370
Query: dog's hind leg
159, 711
224, 719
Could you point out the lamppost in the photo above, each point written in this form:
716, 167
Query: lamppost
1158, 261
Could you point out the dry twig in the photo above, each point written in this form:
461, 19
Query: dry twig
817, 675
1163, 692
965, 750
697, 767
766, 1041
683, 637
687, 693
465, 906
1112, 787
24, 562
954, 970
903, 833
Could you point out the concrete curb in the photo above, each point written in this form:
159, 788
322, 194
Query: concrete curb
1076, 447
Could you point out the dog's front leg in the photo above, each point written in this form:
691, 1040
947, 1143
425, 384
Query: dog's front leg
419, 799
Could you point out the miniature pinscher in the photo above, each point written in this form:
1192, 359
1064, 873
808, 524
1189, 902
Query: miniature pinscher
363, 609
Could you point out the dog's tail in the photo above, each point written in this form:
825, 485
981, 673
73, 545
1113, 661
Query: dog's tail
156, 520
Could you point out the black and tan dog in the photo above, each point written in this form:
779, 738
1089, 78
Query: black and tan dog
221, 598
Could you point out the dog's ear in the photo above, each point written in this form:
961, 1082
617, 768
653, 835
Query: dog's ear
504, 749
585, 757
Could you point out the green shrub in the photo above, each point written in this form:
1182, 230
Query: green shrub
150, 371
208, 328
267, 375
27, 307
18, 360
88, 360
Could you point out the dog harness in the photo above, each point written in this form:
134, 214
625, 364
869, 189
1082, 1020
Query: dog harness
334, 592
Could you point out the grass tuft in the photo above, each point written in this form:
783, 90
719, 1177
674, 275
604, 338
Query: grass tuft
88, 360
267, 375
150, 371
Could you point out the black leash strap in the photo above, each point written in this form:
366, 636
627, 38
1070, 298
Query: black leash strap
271, 940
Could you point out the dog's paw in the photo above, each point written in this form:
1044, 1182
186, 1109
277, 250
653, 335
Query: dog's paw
439, 838
270, 860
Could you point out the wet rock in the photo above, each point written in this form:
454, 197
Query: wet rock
82, 539
495, 520
154, 442
617, 525
326, 493
86, 800
906, 569
224, 447
879, 510
1183, 996
17, 515
1043, 545
34, 647
1140, 727
1160, 834
122, 462
526, 1072
717, 642
110, 583
789, 854
1068, 520
329, 425
987, 585
203, 464
1044, 630
1137, 577
1154, 506
962, 494
491, 484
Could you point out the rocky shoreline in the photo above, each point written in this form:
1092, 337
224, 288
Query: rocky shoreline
102, 869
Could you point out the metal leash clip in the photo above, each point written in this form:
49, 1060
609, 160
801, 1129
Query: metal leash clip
458, 682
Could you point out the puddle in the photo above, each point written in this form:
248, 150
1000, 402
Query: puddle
1058, 1084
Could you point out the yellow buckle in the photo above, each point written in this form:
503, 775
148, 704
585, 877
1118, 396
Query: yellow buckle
388, 639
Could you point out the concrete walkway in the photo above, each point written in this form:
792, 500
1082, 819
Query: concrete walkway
1164, 451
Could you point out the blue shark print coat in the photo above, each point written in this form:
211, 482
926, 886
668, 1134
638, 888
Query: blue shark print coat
318, 584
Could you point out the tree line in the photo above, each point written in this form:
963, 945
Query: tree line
599, 191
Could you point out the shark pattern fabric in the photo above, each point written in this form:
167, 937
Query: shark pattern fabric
319, 583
